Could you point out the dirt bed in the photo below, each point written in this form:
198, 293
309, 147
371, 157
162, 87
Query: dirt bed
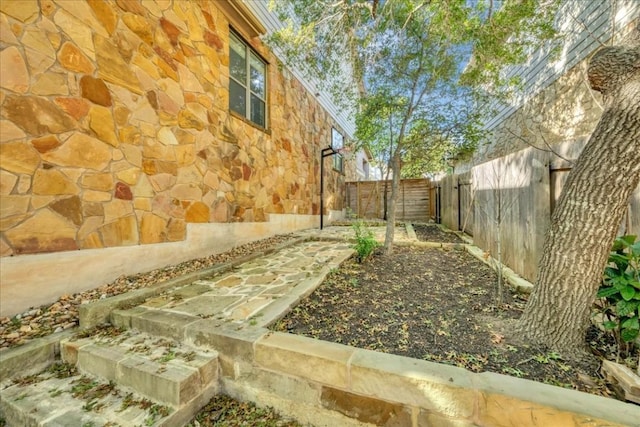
432, 233
432, 304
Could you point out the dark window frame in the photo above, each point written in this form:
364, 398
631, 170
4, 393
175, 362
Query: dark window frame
249, 92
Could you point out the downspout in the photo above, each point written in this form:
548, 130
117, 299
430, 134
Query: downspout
326, 152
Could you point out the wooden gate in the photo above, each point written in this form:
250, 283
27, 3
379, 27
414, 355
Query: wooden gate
366, 199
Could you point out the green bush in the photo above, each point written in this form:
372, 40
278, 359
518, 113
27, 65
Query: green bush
366, 243
620, 290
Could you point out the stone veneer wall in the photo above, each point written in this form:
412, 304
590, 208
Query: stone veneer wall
115, 129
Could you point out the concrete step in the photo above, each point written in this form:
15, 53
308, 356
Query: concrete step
48, 399
51, 402
157, 368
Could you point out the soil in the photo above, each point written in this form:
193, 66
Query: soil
438, 305
432, 233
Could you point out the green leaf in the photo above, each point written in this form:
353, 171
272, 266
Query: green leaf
628, 292
627, 240
611, 272
629, 335
619, 260
625, 308
633, 323
609, 325
619, 282
606, 291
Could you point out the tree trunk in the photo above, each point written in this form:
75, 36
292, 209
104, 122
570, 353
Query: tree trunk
391, 215
386, 192
499, 266
386, 185
590, 209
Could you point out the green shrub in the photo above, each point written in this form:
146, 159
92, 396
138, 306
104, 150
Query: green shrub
366, 243
620, 290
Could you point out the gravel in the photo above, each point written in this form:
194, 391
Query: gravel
63, 314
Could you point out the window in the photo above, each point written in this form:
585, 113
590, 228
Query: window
337, 142
247, 83
365, 168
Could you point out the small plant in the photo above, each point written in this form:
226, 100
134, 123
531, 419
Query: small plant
545, 359
55, 392
156, 412
366, 243
28, 380
62, 370
513, 372
351, 215
168, 355
620, 291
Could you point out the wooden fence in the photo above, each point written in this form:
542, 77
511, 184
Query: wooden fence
515, 195
366, 199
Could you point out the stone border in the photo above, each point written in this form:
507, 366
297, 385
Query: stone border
516, 281
323, 378
37, 354
411, 232
33, 356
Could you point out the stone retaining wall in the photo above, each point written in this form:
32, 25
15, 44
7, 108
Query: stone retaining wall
324, 383
328, 384
116, 131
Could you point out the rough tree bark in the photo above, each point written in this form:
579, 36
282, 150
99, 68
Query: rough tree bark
591, 206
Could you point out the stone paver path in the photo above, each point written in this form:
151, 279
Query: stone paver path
168, 355
239, 295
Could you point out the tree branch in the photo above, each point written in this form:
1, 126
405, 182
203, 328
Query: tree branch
549, 149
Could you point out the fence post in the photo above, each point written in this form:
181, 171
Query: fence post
358, 199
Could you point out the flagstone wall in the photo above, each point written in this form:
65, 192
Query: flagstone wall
115, 128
